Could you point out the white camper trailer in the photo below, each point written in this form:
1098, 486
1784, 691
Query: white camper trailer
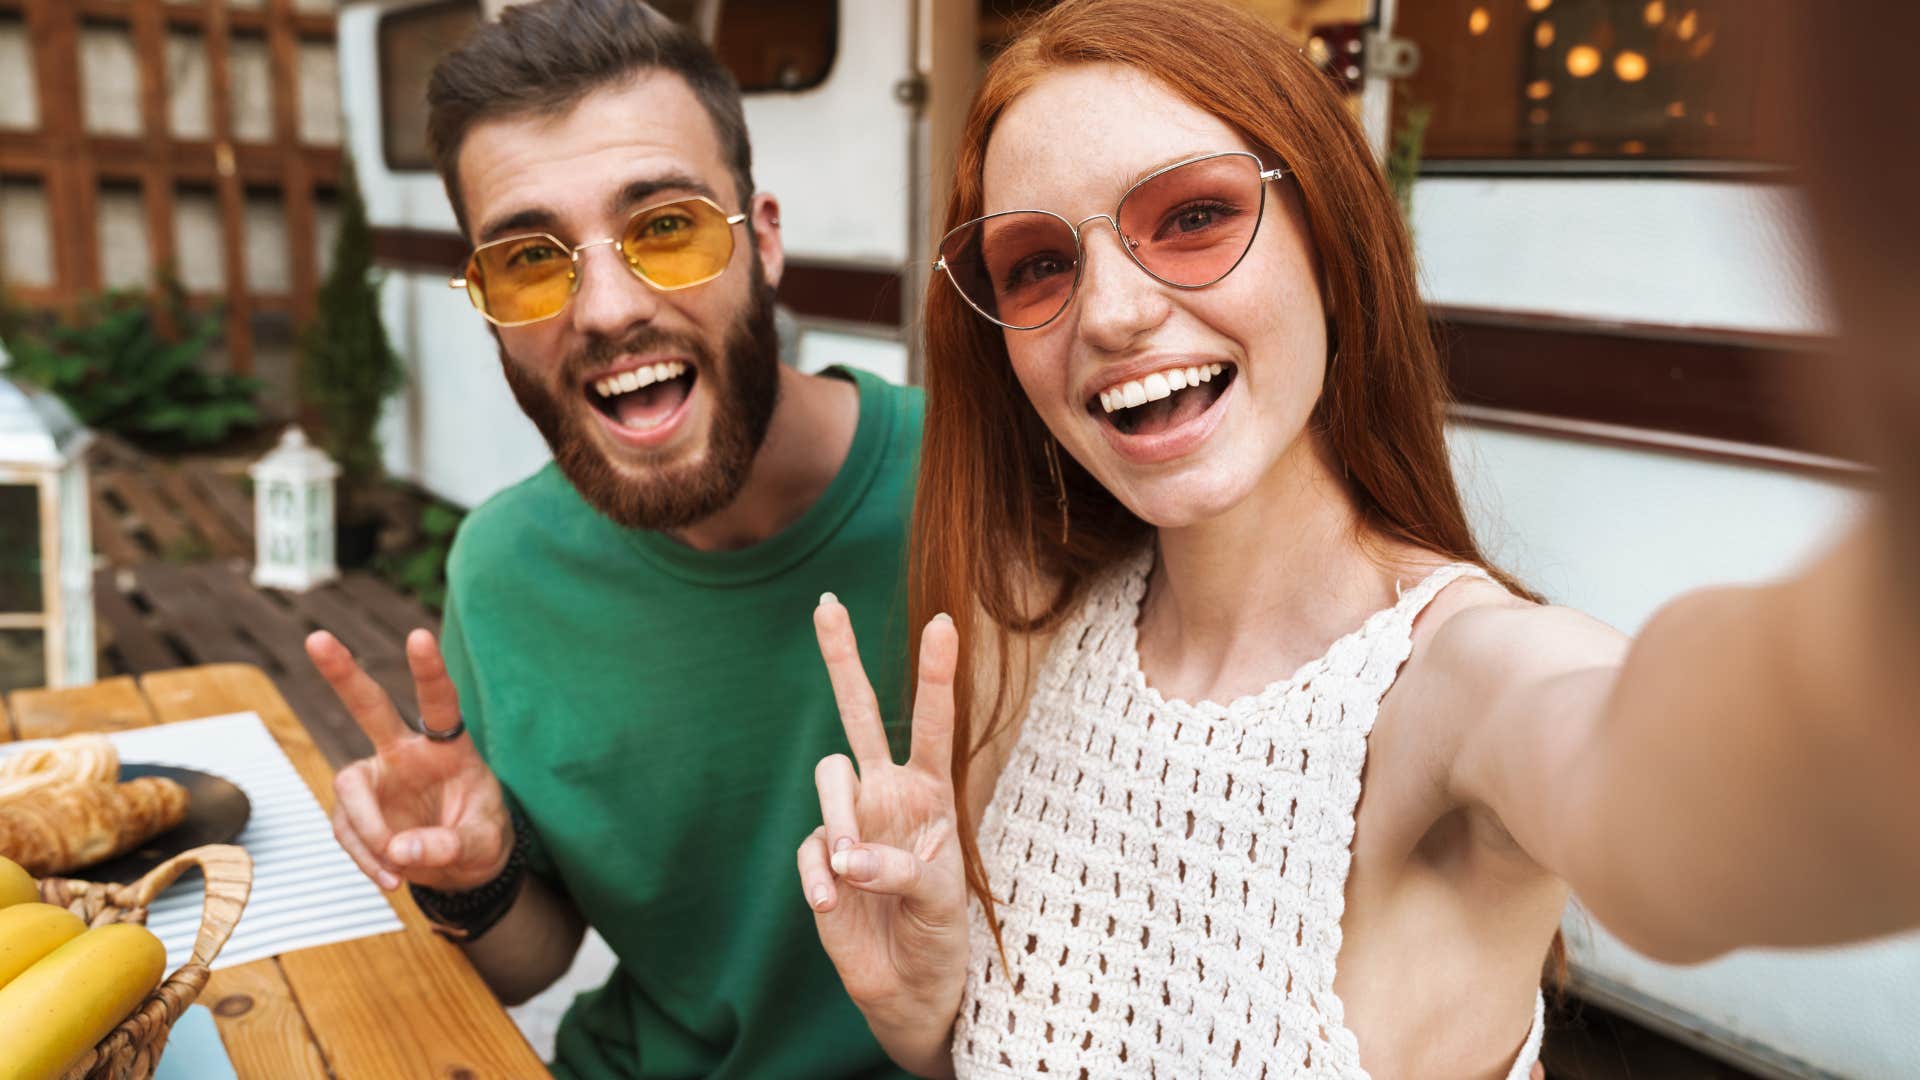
1611, 333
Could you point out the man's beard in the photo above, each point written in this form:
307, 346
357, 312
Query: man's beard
744, 384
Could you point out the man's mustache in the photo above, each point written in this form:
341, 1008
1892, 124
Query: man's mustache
601, 350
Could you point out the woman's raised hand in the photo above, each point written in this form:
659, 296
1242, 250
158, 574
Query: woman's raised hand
883, 873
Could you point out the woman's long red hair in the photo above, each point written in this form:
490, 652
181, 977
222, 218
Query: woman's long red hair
985, 523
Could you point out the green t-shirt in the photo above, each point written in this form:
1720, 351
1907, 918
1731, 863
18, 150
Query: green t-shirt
657, 712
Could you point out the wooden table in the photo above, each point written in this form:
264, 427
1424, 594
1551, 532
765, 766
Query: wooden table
392, 1007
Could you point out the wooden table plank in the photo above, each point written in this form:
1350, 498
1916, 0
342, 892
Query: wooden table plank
405, 1004
6, 724
216, 689
261, 1024
108, 705
268, 1037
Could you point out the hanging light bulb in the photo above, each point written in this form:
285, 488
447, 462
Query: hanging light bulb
1543, 34
1630, 66
1582, 61
1478, 20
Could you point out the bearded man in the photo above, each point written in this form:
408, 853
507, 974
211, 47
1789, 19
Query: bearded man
623, 728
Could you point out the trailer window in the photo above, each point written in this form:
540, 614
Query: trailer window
778, 45
1644, 83
769, 45
1297, 20
410, 43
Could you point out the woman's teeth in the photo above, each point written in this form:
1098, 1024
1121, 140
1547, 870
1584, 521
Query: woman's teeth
1159, 385
629, 381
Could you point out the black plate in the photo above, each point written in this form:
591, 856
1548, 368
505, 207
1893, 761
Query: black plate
216, 812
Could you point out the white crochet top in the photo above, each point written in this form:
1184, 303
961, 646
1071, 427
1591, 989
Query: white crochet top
1174, 873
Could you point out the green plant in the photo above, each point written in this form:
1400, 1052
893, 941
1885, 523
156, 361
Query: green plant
119, 370
1403, 160
347, 365
192, 548
14, 319
422, 570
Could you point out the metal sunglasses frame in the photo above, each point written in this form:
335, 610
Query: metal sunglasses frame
573, 253
1079, 245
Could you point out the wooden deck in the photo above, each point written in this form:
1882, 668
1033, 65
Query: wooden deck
146, 509
177, 537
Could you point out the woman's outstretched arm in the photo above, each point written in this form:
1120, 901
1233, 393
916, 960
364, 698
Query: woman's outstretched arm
1747, 774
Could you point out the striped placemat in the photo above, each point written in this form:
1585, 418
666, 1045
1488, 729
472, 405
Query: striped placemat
306, 891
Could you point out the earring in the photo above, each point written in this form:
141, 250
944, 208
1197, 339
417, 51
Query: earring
1059, 487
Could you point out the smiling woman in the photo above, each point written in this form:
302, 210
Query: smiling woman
1243, 300
1260, 596
1183, 438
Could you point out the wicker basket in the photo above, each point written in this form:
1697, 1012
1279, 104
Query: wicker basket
132, 1050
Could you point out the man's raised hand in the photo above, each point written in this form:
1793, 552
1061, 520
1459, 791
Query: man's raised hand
419, 810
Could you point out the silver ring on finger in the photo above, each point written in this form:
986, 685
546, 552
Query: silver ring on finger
418, 725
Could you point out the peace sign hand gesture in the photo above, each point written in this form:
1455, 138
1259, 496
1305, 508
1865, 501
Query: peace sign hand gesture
420, 810
883, 874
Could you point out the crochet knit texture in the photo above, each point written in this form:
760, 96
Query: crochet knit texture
1174, 873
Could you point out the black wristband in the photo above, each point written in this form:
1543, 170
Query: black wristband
469, 913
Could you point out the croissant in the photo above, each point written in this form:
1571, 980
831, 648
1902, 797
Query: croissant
76, 757
62, 828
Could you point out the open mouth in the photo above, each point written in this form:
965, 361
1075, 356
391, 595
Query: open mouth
1164, 400
642, 398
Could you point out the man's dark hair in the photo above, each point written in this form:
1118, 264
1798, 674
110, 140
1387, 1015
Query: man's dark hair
543, 57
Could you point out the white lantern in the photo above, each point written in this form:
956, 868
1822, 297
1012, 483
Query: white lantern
293, 515
46, 558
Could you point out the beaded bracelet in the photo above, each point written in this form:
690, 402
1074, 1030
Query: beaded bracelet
465, 915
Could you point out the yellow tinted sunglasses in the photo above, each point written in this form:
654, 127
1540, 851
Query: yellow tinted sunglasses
523, 279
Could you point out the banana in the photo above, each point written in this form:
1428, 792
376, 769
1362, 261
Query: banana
29, 932
16, 885
59, 1008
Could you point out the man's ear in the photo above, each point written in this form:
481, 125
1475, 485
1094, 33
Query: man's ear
765, 211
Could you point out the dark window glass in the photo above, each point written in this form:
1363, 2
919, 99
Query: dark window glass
1646, 80
410, 42
20, 591
23, 659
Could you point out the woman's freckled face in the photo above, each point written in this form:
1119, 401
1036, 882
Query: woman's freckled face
1073, 144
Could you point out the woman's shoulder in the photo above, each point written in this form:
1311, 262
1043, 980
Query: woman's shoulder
1478, 635
1478, 647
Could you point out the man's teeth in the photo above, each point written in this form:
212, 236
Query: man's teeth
628, 381
1158, 385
